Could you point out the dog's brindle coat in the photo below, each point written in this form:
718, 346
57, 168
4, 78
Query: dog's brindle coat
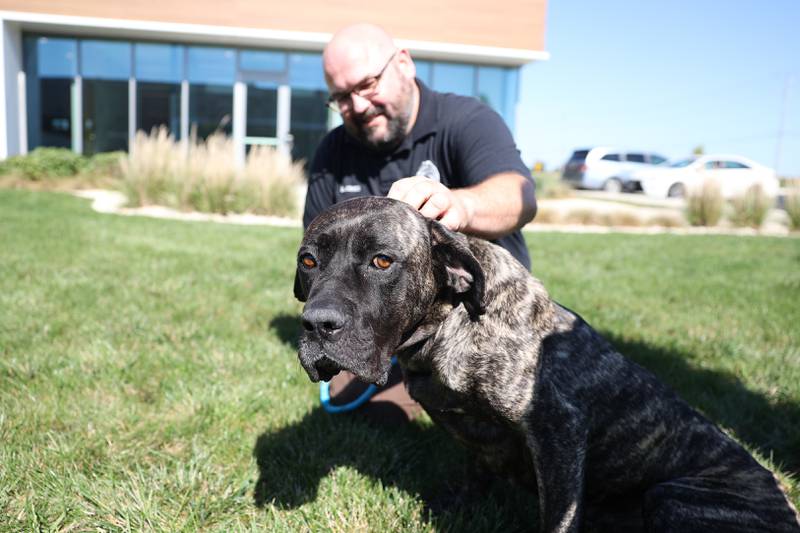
518, 379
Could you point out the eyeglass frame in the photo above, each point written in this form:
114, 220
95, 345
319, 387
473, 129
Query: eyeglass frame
372, 83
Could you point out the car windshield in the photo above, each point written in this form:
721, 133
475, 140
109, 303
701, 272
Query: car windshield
682, 163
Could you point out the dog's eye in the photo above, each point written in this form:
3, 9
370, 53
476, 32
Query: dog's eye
381, 261
308, 261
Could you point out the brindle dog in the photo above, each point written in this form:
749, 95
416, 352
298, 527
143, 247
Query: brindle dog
523, 382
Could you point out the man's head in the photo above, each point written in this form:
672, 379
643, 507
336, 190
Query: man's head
378, 113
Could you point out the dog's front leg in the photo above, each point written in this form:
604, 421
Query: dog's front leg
557, 440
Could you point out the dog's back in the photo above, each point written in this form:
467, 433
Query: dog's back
501, 382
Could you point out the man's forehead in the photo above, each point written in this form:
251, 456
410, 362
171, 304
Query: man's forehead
347, 66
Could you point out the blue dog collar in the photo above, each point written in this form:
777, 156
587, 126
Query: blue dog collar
325, 397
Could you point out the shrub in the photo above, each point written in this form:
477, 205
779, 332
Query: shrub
104, 165
792, 206
751, 208
550, 185
204, 176
45, 163
704, 204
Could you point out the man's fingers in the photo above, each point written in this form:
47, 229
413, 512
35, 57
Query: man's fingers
453, 219
400, 188
436, 205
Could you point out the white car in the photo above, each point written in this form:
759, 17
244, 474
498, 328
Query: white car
734, 175
607, 169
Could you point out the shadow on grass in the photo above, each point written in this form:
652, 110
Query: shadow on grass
771, 427
417, 458
287, 327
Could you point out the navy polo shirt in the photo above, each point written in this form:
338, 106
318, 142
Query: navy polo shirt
456, 140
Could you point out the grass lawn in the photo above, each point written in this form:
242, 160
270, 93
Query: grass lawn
148, 375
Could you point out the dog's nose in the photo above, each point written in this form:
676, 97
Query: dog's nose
327, 322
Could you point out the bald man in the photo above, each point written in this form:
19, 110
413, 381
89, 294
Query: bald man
451, 157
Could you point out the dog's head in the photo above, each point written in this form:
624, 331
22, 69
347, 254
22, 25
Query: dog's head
369, 270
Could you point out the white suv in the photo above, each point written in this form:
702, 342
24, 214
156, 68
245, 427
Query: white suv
607, 168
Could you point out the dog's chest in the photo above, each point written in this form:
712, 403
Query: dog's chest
496, 442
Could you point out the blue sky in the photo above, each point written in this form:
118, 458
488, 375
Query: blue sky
665, 76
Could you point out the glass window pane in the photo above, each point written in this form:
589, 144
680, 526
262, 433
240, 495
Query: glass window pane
262, 110
262, 60
50, 64
491, 89
305, 71
424, 71
210, 109
454, 78
105, 116
309, 121
55, 58
158, 104
109, 60
212, 65
159, 62
510, 104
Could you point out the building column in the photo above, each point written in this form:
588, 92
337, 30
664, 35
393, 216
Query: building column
12, 114
239, 122
284, 119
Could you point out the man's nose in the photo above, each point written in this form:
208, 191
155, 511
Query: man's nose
359, 103
324, 319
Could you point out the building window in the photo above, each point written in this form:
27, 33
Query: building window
106, 69
454, 78
309, 121
262, 110
105, 116
106, 60
424, 71
51, 66
491, 87
262, 60
159, 71
211, 73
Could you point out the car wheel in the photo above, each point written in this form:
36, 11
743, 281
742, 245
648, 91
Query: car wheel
613, 185
676, 191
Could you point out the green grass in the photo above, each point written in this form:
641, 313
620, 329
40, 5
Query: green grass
148, 376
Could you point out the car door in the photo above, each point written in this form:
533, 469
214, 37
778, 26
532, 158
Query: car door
714, 170
740, 176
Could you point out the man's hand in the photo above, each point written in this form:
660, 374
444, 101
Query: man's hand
435, 201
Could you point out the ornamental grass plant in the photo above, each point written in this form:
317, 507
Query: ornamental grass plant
203, 175
751, 208
792, 206
704, 204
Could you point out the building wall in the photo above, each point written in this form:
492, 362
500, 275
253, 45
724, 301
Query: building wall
512, 24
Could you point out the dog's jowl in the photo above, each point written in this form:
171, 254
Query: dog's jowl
524, 383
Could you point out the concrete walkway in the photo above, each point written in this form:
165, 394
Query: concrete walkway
105, 201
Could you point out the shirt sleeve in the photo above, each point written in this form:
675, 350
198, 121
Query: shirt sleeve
484, 147
321, 183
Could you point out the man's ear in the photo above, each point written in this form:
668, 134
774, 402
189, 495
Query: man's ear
299, 290
455, 267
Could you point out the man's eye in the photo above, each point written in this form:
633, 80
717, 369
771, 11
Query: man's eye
308, 261
382, 262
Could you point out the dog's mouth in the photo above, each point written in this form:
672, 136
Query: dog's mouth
327, 368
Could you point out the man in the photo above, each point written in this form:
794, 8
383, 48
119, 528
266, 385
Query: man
449, 156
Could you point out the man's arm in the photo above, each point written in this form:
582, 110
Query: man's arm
493, 208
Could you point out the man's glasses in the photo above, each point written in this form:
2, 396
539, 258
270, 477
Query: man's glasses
366, 88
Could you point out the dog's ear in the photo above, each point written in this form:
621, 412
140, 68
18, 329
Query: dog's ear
455, 267
299, 290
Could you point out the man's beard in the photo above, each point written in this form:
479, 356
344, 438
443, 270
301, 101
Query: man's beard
396, 126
